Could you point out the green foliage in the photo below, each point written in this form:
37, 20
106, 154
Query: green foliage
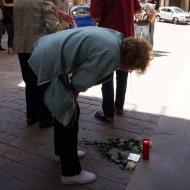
116, 150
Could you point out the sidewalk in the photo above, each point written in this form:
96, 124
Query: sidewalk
156, 107
26, 153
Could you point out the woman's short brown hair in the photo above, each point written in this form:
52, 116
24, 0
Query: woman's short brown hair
136, 54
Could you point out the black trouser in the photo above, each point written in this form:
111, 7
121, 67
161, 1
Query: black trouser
1, 32
108, 93
66, 141
10, 31
35, 107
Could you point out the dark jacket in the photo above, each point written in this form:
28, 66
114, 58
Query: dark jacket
8, 12
157, 2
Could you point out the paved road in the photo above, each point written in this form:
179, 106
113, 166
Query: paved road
156, 106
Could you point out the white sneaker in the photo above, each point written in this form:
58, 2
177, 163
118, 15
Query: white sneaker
81, 155
83, 178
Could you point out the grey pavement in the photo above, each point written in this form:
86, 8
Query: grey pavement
157, 107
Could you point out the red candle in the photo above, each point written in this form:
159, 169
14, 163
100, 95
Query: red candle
145, 149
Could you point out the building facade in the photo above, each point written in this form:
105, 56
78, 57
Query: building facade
184, 4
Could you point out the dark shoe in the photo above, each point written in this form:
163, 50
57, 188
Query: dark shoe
2, 49
45, 124
101, 117
119, 111
32, 120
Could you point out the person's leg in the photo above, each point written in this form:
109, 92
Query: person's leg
121, 85
1, 35
107, 102
36, 110
31, 87
138, 31
66, 141
108, 98
44, 115
152, 25
1, 32
10, 32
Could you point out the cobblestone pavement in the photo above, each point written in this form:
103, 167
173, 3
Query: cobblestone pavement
152, 110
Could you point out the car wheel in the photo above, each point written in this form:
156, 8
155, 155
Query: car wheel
175, 20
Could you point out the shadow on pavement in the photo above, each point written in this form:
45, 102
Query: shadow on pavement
158, 53
26, 152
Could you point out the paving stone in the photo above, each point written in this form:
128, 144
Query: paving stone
93, 156
8, 139
149, 181
85, 111
83, 105
15, 155
16, 184
20, 143
21, 174
4, 148
28, 160
106, 171
44, 151
6, 127
34, 134
89, 100
10, 112
104, 184
130, 128
4, 179
3, 134
181, 184
50, 183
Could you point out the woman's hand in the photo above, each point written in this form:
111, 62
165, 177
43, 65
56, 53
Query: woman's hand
66, 17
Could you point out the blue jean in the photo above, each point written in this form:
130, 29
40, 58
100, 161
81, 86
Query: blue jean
108, 93
10, 31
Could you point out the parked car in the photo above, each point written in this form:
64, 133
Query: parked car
81, 15
175, 15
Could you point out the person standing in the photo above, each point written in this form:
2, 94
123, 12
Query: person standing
156, 4
117, 15
65, 73
1, 28
143, 22
8, 23
33, 19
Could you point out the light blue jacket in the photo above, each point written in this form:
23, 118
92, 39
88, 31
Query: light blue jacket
82, 55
